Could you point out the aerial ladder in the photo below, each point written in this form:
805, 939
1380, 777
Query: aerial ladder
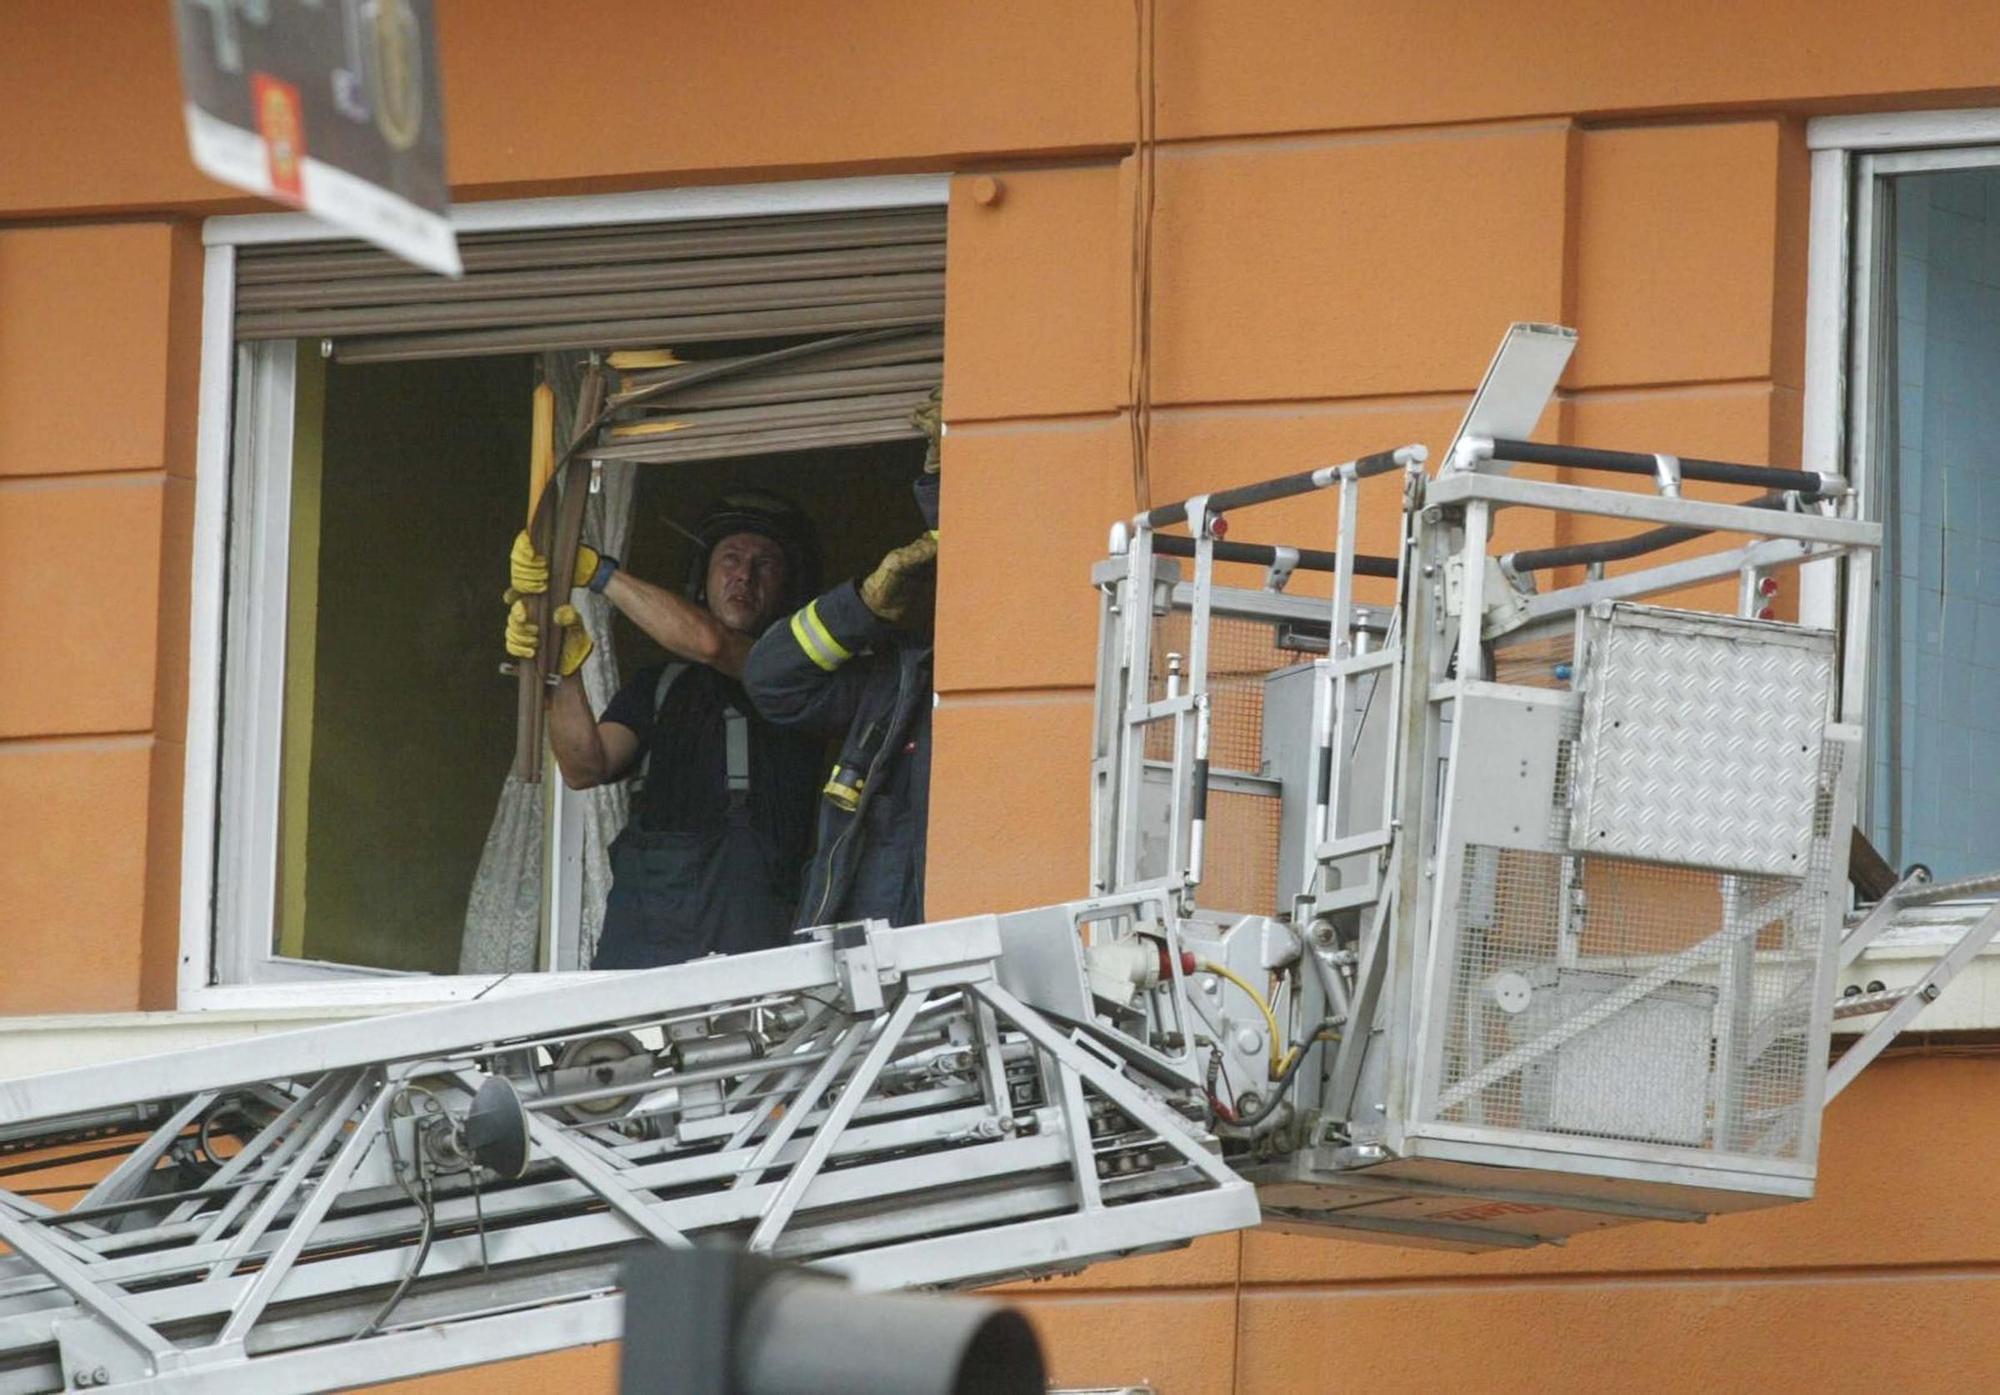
1477, 902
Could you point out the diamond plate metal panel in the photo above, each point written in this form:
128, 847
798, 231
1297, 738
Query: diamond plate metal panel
1701, 740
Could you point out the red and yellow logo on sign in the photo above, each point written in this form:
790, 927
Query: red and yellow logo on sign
281, 122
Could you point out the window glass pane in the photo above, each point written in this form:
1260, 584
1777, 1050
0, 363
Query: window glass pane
409, 480
1934, 776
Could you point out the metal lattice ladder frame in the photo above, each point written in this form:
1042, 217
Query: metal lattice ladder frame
1899, 1006
269, 1273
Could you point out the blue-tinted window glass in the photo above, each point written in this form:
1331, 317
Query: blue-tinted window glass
1934, 738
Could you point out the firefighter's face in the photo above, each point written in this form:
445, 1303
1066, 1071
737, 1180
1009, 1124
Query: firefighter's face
746, 581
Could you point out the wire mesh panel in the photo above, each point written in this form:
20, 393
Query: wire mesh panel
1632, 1000
1244, 805
1242, 871
1241, 654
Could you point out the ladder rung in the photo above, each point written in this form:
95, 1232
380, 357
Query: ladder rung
1964, 889
1862, 1004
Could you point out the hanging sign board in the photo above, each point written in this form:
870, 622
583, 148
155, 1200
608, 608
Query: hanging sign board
332, 106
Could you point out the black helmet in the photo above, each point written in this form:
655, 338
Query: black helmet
770, 516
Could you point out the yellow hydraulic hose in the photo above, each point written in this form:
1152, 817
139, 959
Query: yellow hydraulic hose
1270, 1018
1300, 1050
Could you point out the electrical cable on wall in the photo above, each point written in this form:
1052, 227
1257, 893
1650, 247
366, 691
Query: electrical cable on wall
1140, 381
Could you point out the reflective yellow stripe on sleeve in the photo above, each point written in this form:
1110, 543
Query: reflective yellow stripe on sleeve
805, 642
822, 636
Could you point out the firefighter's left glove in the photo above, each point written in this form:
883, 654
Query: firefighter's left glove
929, 419
524, 636
528, 570
901, 580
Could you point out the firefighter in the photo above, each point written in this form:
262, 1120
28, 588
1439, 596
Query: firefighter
721, 822
855, 664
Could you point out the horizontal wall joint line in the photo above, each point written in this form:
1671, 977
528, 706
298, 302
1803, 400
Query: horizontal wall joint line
1390, 1285
1313, 138
136, 477
74, 741
1037, 421
1596, 392
1416, 399
1224, 1290
1011, 697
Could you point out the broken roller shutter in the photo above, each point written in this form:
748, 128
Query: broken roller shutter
843, 390
853, 302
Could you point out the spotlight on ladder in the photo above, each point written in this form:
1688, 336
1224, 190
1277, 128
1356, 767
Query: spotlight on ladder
492, 1133
496, 1128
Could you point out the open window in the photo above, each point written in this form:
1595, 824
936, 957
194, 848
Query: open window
363, 826
1924, 416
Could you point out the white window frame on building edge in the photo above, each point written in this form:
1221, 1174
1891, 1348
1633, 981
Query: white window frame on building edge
1851, 155
242, 522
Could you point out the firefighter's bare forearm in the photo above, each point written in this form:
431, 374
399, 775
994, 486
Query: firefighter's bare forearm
678, 625
574, 735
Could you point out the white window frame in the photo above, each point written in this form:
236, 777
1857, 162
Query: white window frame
1850, 154
243, 483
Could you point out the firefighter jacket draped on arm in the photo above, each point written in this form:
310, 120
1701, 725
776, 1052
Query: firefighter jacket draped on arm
835, 669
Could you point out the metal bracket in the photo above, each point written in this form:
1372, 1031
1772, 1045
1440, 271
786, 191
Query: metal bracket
1505, 600
93, 1355
859, 968
1283, 561
1200, 522
1469, 453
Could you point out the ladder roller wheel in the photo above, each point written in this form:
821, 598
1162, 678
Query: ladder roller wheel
608, 1050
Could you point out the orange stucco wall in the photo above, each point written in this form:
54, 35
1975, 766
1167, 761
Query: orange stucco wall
1352, 201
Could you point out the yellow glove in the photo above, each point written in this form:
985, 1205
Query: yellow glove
528, 570
929, 419
524, 636
898, 579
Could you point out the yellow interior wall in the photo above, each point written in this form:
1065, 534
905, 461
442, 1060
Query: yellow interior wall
413, 726
301, 646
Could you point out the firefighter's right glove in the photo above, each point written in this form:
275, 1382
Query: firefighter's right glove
524, 636
900, 580
528, 570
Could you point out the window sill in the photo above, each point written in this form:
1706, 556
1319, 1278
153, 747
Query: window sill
35, 1045
349, 996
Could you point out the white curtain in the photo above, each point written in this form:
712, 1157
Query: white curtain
607, 526
503, 913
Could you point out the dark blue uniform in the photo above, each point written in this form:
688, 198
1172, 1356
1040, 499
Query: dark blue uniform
835, 670
709, 861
